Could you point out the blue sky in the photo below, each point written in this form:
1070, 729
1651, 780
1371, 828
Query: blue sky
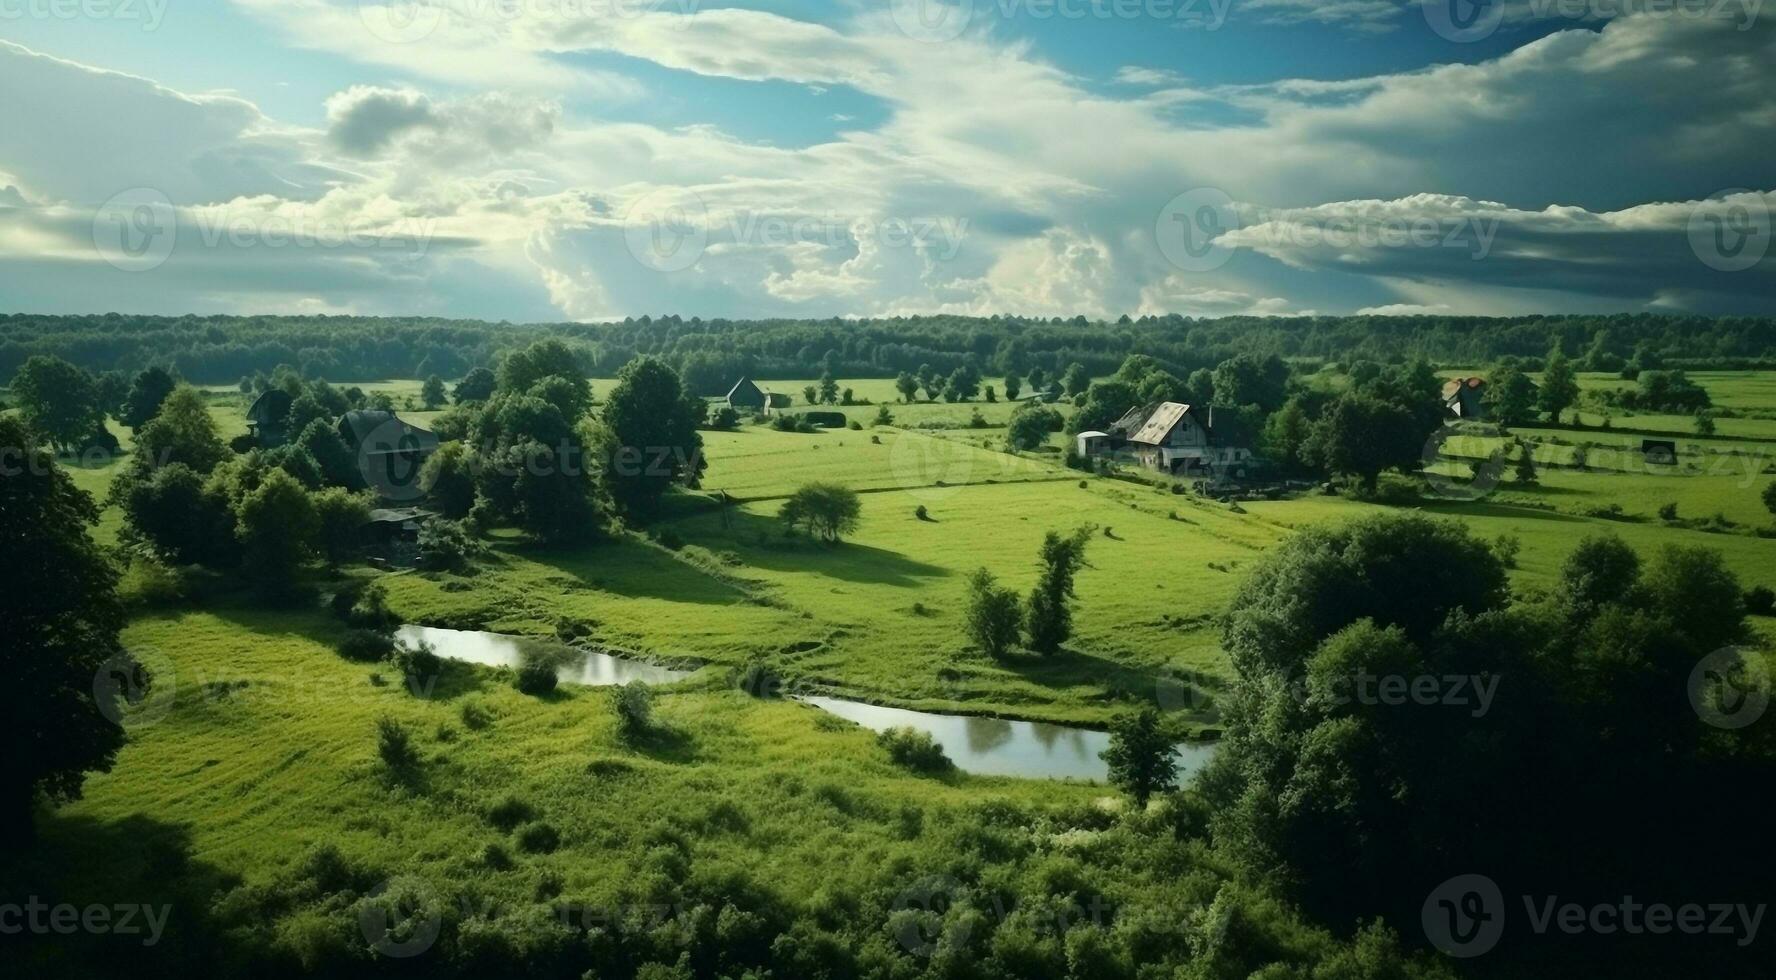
593, 159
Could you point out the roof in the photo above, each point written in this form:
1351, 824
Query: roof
398, 515
745, 387
1092, 434
270, 407
1163, 419
377, 431
1454, 386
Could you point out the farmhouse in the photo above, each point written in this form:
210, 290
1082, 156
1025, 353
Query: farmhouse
389, 451
392, 534
1176, 438
1463, 397
267, 417
747, 397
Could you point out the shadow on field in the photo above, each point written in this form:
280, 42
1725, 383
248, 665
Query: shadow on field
137, 867
1483, 509
1120, 683
847, 560
637, 572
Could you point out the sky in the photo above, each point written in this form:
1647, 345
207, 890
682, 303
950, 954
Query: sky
590, 160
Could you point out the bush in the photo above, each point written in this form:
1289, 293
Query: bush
536, 676
758, 680
475, 715
634, 706
914, 749
151, 584
921, 513
538, 838
509, 812
496, 857
1668, 512
669, 539
724, 418
417, 661
854, 425
366, 646
448, 545
1760, 601
1507, 547
395, 746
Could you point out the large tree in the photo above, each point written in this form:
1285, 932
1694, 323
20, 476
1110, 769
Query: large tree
58, 400
522, 369
1510, 396
59, 606
1047, 617
1140, 756
476, 386
1361, 435
183, 432
278, 530
649, 436
146, 394
827, 510
1560, 386
1251, 379
992, 614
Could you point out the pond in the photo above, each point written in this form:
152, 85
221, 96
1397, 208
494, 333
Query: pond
998, 747
573, 665
984, 746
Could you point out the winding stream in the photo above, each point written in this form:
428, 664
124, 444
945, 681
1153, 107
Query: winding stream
984, 746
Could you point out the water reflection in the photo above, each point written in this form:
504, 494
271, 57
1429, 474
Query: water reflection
572, 665
997, 747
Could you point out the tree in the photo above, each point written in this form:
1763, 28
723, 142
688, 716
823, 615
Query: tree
338, 467
933, 385
183, 432
1105, 402
432, 392
1047, 618
340, 515
1286, 434
1510, 396
521, 370
724, 418
827, 510
1360, 435
907, 385
1526, 466
1251, 379
1602, 569
1013, 387
829, 389
1076, 380
58, 400
1031, 424
883, 416
168, 511
811, 394
1560, 386
1038, 378
277, 527
146, 394
1140, 756
1705, 423
992, 614
649, 439
1769, 497
58, 601
476, 386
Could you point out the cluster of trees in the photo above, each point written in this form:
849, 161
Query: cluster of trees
710, 354
1589, 775
994, 616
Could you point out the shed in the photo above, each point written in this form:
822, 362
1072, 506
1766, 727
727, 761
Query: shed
746, 396
1092, 442
389, 451
268, 417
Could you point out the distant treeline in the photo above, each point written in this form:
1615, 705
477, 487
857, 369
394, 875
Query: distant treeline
710, 354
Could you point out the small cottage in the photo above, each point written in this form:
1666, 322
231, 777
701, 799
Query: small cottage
1464, 397
268, 418
389, 451
747, 398
1178, 439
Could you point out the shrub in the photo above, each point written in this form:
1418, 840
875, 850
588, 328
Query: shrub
151, 584
495, 856
669, 539
914, 749
395, 746
759, 680
634, 706
418, 659
1668, 512
536, 676
475, 715
1760, 601
1507, 547
366, 646
509, 812
921, 513
448, 545
883, 416
993, 614
724, 418
538, 838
